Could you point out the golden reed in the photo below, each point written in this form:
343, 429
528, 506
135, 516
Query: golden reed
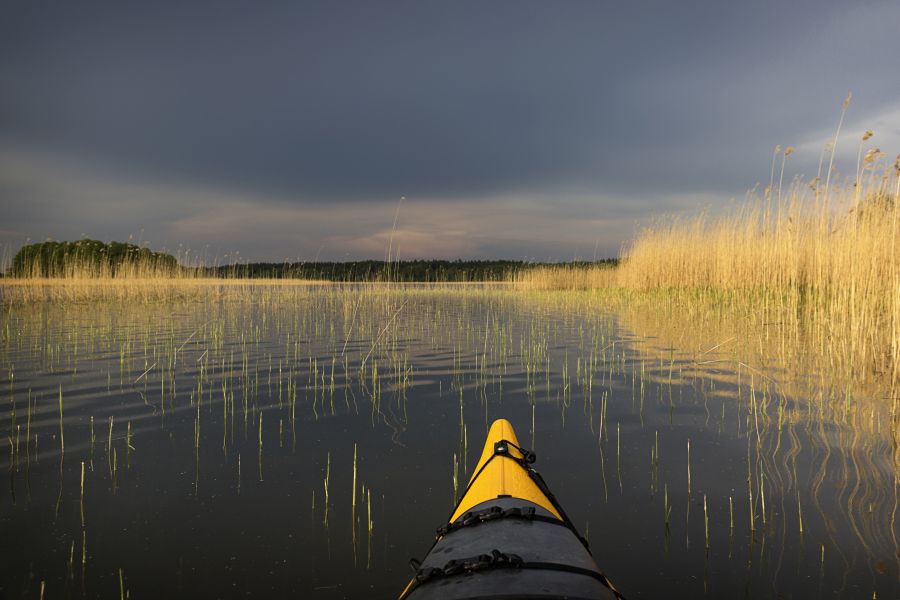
815, 265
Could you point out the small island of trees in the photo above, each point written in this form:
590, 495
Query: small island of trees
89, 258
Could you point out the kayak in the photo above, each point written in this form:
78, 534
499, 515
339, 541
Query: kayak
508, 537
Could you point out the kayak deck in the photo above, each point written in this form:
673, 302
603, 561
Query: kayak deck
499, 475
508, 537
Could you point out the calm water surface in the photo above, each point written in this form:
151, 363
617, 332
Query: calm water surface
217, 438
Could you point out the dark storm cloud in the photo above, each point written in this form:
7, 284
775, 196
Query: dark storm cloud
639, 105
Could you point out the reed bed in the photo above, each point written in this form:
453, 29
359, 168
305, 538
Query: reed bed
816, 268
18, 292
567, 277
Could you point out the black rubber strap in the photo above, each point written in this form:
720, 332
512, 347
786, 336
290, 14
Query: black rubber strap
542, 485
598, 575
498, 559
461, 498
472, 518
501, 448
477, 475
501, 560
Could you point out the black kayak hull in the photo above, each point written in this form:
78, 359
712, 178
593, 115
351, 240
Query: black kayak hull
554, 562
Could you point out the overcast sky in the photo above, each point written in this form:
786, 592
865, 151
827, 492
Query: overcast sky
527, 130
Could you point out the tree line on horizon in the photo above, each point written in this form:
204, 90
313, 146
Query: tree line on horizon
420, 270
93, 257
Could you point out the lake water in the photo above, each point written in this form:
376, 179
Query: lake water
219, 436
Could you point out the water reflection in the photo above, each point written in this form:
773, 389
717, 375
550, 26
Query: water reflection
309, 440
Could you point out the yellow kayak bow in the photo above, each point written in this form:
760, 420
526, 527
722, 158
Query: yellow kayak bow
508, 537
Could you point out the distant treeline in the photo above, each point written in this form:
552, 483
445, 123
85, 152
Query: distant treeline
87, 258
92, 258
405, 271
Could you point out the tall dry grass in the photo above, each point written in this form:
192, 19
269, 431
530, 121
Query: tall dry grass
814, 267
83, 280
135, 290
823, 265
138, 279
566, 277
